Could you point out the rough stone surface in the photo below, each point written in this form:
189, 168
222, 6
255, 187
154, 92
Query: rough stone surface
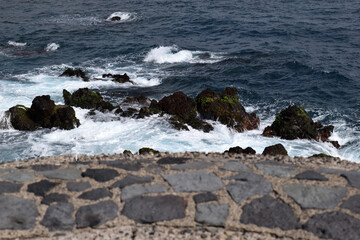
96, 194
17, 213
235, 167
269, 212
353, 204
170, 160
199, 181
246, 176
44, 167
242, 190
146, 209
101, 175
310, 175
321, 197
58, 217
77, 186
65, 174
124, 164
205, 197
19, 176
55, 197
212, 214
331, 171
42, 187
353, 178
276, 170
133, 191
130, 180
96, 215
154, 168
8, 187
334, 225
192, 165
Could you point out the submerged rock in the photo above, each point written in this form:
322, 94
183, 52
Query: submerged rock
239, 150
115, 19
118, 78
70, 72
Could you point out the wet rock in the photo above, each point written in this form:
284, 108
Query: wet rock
274, 150
70, 72
212, 214
129, 165
146, 209
192, 165
8, 187
204, 197
78, 186
115, 19
235, 166
96, 194
96, 215
269, 212
141, 100
130, 180
55, 197
133, 191
226, 108
58, 217
276, 169
118, 77
147, 150
353, 204
41, 188
19, 176
100, 175
20, 119
64, 174
310, 175
239, 150
353, 178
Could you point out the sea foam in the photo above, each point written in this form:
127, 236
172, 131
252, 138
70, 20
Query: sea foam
51, 47
124, 16
16, 44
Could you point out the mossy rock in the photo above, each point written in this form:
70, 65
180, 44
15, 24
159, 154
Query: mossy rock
127, 152
321, 155
20, 118
147, 150
85, 98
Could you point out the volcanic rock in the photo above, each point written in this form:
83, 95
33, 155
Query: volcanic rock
70, 72
118, 78
277, 149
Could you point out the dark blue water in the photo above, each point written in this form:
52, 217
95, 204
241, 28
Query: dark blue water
275, 53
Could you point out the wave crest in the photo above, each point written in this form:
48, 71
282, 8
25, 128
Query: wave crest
51, 47
16, 44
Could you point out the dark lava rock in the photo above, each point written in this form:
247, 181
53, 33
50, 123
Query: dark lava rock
294, 122
96, 194
70, 72
170, 160
226, 108
311, 175
130, 180
269, 212
77, 186
100, 175
96, 215
334, 225
17, 213
8, 187
204, 197
118, 77
146, 209
147, 150
58, 217
353, 204
277, 149
42, 187
129, 165
55, 197
239, 150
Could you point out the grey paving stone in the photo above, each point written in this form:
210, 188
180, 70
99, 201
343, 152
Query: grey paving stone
331, 171
19, 176
154, 168
9, 187
334, 225
199, 181
55, 197
353, 178
192, 165
212, 214
58, 217
100, 175
204, 197
130, 180
320, 197
171, 160
44, 167
96, 194
353, 204
146, 209
96, 215
133, 191
41, 188
17, 213
129, 165
234, 166
77, 186
64, 174
3, 170
276, 170
269, 212
310, 175
246, 176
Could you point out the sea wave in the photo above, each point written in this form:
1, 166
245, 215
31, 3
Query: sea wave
16, 44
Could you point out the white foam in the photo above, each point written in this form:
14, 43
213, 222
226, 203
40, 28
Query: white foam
76, 20
124, 16
5, 120
51, 47
16, 44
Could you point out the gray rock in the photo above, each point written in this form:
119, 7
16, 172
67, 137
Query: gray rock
130, 180
246, 176
78, 186
41, 188
65, 174
199, 181
353, 178
321, 197
96, 194
133, 191
17, 213
212, 214
146, 209
192, 165
8, 187
96, 215
242, 190
310, 175
129, 165
2, 170
171, 160
353, 204
331, 171
204, 197
19, 176
269, 212
58, 217
44, 167
101, 175
234, 166
276, 170
55, 197
153, 168
334, 225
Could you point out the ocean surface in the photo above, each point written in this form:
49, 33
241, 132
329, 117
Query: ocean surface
275, 52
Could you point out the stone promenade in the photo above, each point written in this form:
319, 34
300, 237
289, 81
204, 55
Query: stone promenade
180, 196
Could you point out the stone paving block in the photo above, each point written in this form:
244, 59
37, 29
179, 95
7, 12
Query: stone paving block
212, 214
199, 181
3, 170
130, 180
17, 213
96, 194
320, 197
133, 191
96, 215
9, 187
101, 175
246, 176
129, 165
146, 209
331, 171
192, 165
334, 225
58, 217
353, 178
234, 166
64, 174
276, 170
77, 186
55, 197
310, 175
41, 188
204, 197
353, 204
19, 176
44, 167
269, 212
171, 160
154, 168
